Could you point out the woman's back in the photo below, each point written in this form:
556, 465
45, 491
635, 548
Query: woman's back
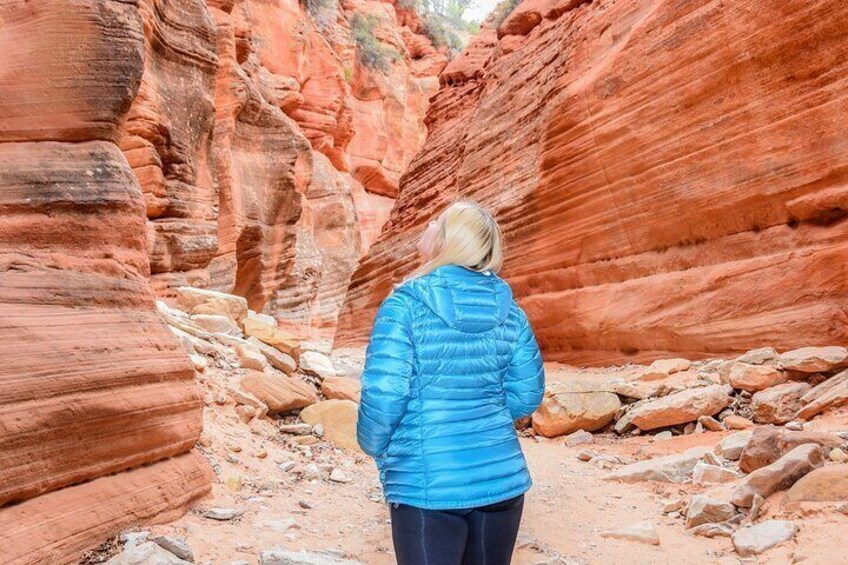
451, 363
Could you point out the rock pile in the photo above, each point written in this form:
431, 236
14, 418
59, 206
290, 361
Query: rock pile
268, 370
759, 387
769, 392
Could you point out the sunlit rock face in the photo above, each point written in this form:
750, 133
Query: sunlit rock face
670, 177
92, 383
246, 110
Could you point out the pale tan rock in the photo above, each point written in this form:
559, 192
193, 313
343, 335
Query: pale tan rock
680, 408
815, 359
279, 360
707, 474
670, 469
755, 377
734, 422
778, 476
318, 364
216, 323
761, 356
341, 388
641, 532
829, 394
338, 418
732, 446
670, 366
580, 437
825, 484
280, 393
762, 537
705, 510
250, 357
769, 443
778, 404
564, 412
203, 301
273, 336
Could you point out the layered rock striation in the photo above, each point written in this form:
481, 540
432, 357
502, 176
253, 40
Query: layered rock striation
671, 178
268, 153
92, 383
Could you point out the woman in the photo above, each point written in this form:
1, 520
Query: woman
452, 362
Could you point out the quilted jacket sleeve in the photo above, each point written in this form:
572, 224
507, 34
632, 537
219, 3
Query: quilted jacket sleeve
385, 379
525, 378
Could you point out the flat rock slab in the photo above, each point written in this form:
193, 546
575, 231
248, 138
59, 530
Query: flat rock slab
732, 446
284, 557
641, 532
769, 443
815, 359
670, 469
778, 476
762, 537
147, 553
706, 510
680, 408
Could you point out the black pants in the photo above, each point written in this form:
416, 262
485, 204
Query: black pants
472, 536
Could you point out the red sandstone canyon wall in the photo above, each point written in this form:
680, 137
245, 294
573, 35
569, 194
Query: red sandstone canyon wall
92, 383
672, 177
254, 118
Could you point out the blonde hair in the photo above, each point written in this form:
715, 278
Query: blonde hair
468, 236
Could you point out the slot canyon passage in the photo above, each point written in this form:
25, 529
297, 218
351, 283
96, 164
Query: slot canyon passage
203, 202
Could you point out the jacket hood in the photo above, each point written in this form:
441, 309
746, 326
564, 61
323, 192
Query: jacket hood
466, 300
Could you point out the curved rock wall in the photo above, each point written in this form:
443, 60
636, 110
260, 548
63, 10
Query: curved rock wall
92, 382
248, 111
672, 177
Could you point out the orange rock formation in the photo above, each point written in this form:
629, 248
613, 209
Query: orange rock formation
671, 177
228, 144
269, 156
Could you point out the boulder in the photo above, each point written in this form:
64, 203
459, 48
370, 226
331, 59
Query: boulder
761, 356
755, 377
273, 336
279, 360
769, 443
176, 546
707, 474
778, 404
341, 388
711, 424
825, 484
216, 324
670, 469
705, 510
279, 392
318, 364
680, 408
203, 301
735, 422
565, 410
285, 557
250, 357
338, 418
762, 537
670, 366
147, 553
778, 476
829, 394
641, 532
580, 437
815, 359
732, 446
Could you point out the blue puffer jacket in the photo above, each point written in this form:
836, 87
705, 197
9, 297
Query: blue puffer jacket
451, 363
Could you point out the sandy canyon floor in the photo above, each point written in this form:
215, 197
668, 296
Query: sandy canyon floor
288, 500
